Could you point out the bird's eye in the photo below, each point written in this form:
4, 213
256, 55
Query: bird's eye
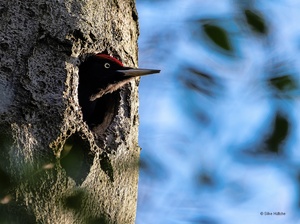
106, 65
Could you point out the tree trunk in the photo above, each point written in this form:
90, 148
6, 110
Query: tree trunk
53, 168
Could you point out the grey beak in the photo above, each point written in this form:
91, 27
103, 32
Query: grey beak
134, 72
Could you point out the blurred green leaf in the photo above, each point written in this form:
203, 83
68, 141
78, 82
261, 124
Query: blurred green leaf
5, 182
218, 36
208, 77
74, 201
256, 21
279, 133
201, 82
100, 220
284, 83
195, 87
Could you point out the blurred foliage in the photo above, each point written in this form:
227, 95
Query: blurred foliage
279, 133
218, 36
207, 84
285, 83
256, 21
203, 83
75, 200
5, 183
76, 162
16, 213
223, 33
6, 180
234, 63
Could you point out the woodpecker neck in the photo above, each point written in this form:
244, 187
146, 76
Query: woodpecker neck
109, 89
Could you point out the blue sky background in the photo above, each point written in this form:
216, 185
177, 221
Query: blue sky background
206, 151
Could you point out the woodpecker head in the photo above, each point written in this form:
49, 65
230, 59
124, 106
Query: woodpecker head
103, 74
99, 75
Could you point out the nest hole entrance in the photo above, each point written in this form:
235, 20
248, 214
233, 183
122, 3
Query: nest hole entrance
98, 113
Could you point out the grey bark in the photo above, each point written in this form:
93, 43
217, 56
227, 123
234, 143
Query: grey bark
42, 42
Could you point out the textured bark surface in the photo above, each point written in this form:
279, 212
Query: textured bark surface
42, 42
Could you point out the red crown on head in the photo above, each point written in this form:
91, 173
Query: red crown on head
108, 57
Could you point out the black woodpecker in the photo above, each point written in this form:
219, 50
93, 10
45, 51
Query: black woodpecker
99, 75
